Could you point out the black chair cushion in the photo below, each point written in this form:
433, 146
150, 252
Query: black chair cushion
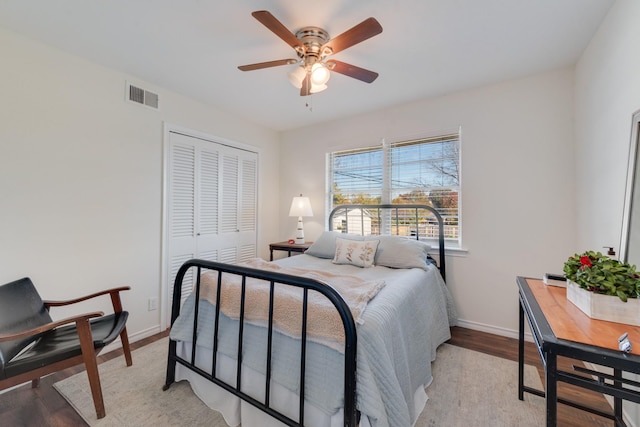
63, 343
21, 308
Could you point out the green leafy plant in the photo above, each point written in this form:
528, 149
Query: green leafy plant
603, 275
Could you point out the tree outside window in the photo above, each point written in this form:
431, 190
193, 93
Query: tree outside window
422, 171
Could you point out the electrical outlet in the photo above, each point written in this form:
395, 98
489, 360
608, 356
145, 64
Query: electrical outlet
153, 303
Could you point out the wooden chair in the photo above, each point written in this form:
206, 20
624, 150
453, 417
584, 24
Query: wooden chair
33, 345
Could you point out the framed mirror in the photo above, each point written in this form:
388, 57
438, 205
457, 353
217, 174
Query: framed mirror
630, 237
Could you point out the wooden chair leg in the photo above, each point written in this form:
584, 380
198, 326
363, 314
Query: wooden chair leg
124, 339
91, 364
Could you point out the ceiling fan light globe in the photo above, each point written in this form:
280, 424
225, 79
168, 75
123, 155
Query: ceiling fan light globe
297, 76
317, 88
320, 74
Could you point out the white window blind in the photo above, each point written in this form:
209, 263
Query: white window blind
419, 171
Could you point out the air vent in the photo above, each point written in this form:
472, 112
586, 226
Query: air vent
141, 96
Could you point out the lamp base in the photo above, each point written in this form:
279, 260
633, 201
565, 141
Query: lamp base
300, 232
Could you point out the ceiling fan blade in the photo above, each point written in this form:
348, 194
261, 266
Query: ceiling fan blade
361, 32
352, 71
268, 64
305, 89
270, 21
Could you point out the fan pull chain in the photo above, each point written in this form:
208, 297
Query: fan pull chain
309, 104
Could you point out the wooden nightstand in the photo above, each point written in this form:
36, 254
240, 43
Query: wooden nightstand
289, 247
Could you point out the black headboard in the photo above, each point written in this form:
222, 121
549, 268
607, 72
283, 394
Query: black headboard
401, 220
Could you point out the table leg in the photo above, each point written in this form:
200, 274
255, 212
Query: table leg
271, 256
551, 388
617, 402
521, 353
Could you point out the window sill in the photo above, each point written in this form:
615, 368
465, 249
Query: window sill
461, 252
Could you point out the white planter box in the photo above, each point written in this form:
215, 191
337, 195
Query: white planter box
604, 307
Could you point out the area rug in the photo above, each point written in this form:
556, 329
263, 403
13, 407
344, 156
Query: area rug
469, 389
475, 389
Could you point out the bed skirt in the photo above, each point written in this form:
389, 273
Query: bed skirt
235, 411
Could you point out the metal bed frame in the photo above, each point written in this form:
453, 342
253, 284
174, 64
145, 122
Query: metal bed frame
351, 414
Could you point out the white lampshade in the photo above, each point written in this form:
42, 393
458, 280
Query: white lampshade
320, 74
317, 88
297, 76
300, 206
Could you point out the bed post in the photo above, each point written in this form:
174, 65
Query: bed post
175, 311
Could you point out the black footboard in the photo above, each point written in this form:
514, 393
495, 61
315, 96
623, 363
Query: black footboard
350, 412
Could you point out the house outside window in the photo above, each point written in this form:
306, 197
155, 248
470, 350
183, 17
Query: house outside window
418, 171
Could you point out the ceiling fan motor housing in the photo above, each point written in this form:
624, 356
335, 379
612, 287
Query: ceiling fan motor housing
312, 38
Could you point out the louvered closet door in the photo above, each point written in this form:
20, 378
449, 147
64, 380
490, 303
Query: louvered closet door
228, 222
181, 244
211, 207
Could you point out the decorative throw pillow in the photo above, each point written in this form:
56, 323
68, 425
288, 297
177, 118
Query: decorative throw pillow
325, 245
401, 252
360, 253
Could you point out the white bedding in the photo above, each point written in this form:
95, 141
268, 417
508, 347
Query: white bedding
402, 327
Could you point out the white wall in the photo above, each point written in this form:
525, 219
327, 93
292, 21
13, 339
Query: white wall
607, 94
81, 176
517, 183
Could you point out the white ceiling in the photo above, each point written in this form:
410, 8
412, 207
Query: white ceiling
427, 47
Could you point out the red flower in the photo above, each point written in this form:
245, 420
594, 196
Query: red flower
585, 261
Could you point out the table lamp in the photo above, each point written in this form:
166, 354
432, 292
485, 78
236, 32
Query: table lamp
300, 206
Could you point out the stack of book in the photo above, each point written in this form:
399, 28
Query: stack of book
554, 280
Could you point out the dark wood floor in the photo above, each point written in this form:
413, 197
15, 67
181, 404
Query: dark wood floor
43, 406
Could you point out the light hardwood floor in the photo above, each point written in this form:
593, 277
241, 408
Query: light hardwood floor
43, 406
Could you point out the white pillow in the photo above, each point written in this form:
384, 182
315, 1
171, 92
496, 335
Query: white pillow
325, 245
401, 252
360, 253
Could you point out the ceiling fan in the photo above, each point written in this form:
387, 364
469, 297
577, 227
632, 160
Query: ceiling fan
313, 46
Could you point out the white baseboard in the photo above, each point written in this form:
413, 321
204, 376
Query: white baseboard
495, 330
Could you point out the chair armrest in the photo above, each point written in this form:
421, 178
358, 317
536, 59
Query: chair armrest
52, 325
114, 292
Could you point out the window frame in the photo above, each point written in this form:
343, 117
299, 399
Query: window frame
387, 190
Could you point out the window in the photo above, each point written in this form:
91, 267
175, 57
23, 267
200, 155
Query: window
420, 171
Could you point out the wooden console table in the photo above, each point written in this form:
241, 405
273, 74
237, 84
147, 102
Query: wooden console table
559, 328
